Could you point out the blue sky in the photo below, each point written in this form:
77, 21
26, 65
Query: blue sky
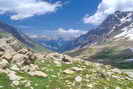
47, 17
69, 16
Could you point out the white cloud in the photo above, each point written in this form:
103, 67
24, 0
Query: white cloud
107, 7
69, 33
21, 9
66, 34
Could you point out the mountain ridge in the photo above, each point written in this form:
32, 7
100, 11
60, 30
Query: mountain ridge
111, 26
19, 35
110, 43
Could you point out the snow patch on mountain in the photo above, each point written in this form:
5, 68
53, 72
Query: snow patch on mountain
127, 32
127, 18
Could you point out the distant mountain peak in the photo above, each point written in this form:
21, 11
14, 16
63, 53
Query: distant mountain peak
109, 28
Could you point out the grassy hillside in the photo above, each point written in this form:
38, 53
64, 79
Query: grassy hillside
113, 52
88, 76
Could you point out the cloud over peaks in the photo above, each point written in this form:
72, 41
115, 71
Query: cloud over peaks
69, 33
21, 9
107, 7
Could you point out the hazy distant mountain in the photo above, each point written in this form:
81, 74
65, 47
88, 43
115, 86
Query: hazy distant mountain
55, 44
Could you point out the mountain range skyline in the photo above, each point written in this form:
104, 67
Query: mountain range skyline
56, 17
52, 21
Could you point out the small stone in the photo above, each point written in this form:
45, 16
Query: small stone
3, 63
16, 83
13, 77
7, 56
14, 67
78, 79
1, 53
36, 84
68, 71
58, 63
1, 86
28, 84
31, 88
76, 69
117, 88
38, 74
33, 67
90, 85
130, 74
115, 70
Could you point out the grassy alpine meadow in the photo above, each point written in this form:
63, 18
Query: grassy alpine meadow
77, 75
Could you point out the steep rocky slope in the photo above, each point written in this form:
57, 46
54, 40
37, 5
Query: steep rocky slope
7, 29
21, 68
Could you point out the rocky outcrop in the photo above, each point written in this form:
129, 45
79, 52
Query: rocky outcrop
12, 50
61, 58
15, 58
3, 64
19, 59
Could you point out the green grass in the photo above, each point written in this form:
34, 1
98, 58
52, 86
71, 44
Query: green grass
126, 65
115, 56
92, 75
4, 82
112, 54
4, 34
39, 48
109, 52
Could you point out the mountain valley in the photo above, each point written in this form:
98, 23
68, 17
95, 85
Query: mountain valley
93, 62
